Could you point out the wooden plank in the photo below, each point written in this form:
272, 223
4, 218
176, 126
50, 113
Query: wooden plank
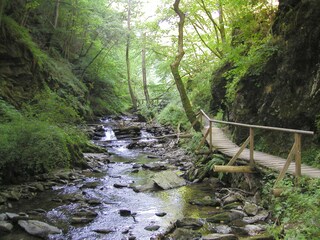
232, 161
233, 169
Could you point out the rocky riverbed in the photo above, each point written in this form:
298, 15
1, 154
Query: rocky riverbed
136, 190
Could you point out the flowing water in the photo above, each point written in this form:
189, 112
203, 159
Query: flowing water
143, 205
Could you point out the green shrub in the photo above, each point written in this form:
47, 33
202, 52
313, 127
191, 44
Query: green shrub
29, 147
173, 114
298, 212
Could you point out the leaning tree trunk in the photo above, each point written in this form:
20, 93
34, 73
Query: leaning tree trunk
175, 69
133, 98
144, 71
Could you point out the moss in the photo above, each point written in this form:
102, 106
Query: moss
21, 35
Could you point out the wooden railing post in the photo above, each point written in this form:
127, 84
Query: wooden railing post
297, 139
210, 136
251, 147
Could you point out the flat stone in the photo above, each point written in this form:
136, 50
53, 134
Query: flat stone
93, 201
217, 236
206, 201
168, 179
5, 226
155, 166
152, 228
226, 217
37, 228
124, 212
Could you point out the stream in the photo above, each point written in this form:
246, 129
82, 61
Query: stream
111, 200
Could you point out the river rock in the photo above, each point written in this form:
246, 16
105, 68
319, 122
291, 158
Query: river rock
91, 185
226, 217
223, 229
5, 227
81, 220
261, 216
2, 199
120, 185
189, 223
161, 214
86, 213
250, 208
183, 234
3, 217
136, 165
152, 228
253, 230
233, 198
94, 201
168, 179
206, 201
218, 236
37, 228
155, 166
103, 230
143, 188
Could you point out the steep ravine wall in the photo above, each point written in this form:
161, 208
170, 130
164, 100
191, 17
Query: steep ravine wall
286, 93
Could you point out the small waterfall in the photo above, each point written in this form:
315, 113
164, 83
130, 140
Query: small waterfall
109, 134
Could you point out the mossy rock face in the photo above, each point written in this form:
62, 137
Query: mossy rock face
225, 217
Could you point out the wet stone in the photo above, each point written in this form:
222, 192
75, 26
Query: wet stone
91, 185
253, 230
206, 201
217, 236
183, 234
120, 185
3, 217
5, 227
124, 212
161, 214
81, 220
103, 230
189, 223
261, 216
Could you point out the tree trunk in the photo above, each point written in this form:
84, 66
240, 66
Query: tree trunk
144, 71
175, 69
56, 14
221, 23
133, 98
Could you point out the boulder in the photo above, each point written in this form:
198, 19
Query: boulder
103, 230
161, 214
168, 179
206, 201
155, 166
37, 228
91, 185
226, 217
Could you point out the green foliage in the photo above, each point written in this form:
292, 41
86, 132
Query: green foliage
298, 211
311, 156
8, 112
206, 165
174, 115
49, 107
21, 34
29, 147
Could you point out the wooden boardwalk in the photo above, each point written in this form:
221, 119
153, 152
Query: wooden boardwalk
222, 143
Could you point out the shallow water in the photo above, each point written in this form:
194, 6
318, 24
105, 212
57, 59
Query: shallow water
144, 206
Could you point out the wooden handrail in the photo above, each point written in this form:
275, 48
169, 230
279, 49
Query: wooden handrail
258, 126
